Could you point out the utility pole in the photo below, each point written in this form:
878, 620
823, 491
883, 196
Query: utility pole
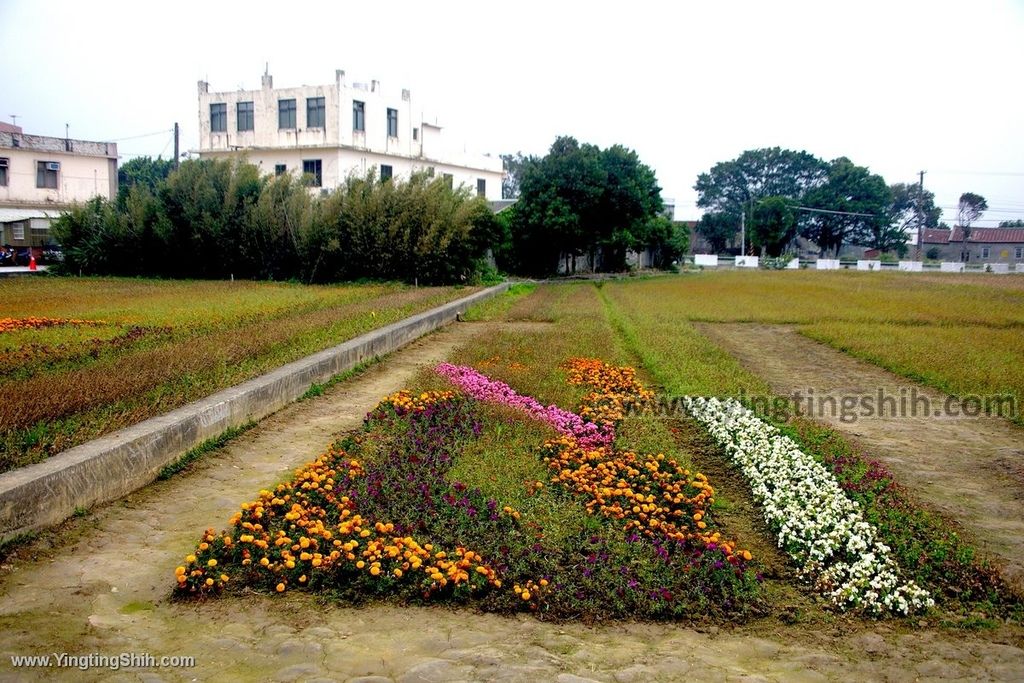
743, 233
175, 145
920, 216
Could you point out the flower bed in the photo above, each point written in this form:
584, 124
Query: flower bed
323, 528
653, 496
379, 514
817, 524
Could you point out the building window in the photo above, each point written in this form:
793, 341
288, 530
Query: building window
280, 169
447, 177
18, 231
984, 252
415, 133
386, 172
430, 171
245, 116
1018, 252
218, 117
312, 168
392, 123
285, 114
4, 164
315, 112
481, 187
358, 116
46, 174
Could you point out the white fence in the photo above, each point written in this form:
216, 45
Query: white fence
747, 261
911, 266
714, 261
828, 264
868, 264
708, 260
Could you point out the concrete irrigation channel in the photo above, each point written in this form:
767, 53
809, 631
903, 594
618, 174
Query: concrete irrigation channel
110, 467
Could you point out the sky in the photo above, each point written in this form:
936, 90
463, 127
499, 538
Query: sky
897, 86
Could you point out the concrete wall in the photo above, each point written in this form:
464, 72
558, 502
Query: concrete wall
112, 466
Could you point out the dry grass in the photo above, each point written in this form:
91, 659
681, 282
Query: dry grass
209, 335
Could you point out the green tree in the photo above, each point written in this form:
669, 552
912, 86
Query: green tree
903, 211
1012, 224
718, 228
734, 187
969, 209
145, 172
854, 206
512, 166
773, 226
579, 200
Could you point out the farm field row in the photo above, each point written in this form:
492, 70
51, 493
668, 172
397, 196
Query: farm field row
502, 495
88, 589
80, 358
962, 337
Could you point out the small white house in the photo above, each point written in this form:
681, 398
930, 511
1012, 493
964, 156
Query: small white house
41, 176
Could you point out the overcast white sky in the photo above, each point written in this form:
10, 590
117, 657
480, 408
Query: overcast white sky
896, 86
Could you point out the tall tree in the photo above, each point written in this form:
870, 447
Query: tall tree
512, 165
1012, 224
774, 225
903, 211
734, 187
143, 172
718, 229
969, 210
853, 205
579, 199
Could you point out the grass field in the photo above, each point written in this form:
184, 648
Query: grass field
112, 352
963, 336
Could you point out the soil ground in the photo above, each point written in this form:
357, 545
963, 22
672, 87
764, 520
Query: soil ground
101, 584
971, 469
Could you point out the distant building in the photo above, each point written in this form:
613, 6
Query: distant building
331, 131
984, 245
41, 176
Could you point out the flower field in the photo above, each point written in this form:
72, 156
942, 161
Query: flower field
530, 472
83, 357
379, 515
816, 523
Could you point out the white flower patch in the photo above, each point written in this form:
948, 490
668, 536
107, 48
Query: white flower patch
817, 524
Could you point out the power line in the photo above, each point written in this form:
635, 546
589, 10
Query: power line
840, 213
144, 135
955, 172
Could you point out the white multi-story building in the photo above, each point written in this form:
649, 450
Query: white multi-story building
332, 131
41, 176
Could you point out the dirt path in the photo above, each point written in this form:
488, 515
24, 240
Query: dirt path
972, 469
101, 585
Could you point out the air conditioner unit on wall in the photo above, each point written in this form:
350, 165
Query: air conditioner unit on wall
52, 165
4, 162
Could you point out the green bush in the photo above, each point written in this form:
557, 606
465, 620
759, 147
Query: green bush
217, 218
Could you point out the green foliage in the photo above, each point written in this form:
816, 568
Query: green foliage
218, 218
718, 228
731, 187
773, 225
143, 172
969, 209
512, 165
1012, 224
580, 199
851, 189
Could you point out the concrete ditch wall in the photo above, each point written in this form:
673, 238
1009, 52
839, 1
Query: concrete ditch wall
113, 466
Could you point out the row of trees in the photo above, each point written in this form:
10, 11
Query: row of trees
782, 193
580, 200
217, 218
